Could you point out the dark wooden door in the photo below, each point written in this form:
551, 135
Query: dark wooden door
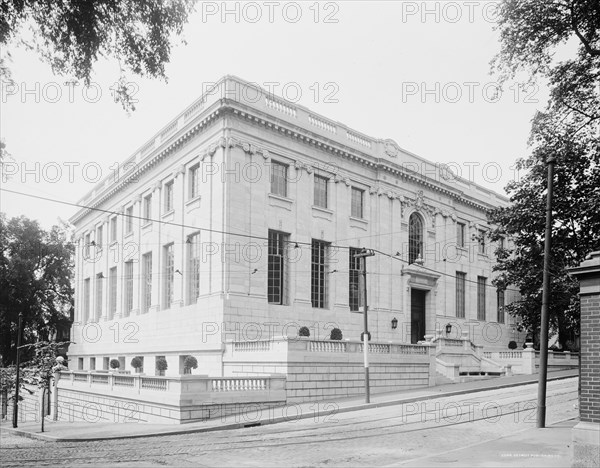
417, 314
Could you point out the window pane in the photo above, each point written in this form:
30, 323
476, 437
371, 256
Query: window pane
500, 299
129, 219
460, 294
460, 234
279, 179
321, 191
168, 275
276, 280
128, 287
319, 274
415, 238
481, 297
193, 268
146, 281
99, 292
169, 196
357, 203
194, 180
355, 294
112, 287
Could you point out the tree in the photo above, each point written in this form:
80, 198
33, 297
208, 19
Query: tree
70, 35
531, 33
36, 267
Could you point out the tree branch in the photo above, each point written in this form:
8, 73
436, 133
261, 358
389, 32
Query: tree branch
590, 50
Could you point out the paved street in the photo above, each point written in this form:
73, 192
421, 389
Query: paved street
393, 435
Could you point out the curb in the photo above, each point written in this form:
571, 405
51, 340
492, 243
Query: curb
225, 427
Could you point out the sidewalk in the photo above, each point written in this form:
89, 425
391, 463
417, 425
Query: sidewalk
83, 431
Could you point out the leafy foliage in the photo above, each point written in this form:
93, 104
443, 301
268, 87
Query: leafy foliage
304, 331
512, 344
115, 364
137, 362
190, 362
531, 34
336, 334
70, 35
36, 268
161, 364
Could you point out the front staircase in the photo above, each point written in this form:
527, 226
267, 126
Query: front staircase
460, 360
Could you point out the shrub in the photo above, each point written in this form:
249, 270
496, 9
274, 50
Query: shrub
137, 362
571, 346
115, 364
512, 344
362, 336
161, 364
336, 334
304, 331
190, 362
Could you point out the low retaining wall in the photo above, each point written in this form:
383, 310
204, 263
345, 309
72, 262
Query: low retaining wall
527, 361
319, 370
101, 397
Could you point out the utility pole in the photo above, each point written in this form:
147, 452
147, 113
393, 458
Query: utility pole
364, 254
16, 402
541, 403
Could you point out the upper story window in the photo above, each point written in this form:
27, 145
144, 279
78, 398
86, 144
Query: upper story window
194, 181
129, 220
321, 191
460, 234
194, 263
168, 196
148, 208
113, 229
415, 238
481, 241
319, 274
279, 179
481, 285
354, 292
86, 245
276, 276
357, 203
99, 238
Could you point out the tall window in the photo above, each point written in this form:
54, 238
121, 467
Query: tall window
481, 241
194, 257
319, 273
129, 220
500, 302
168, 196
194, 180
279, 179
481, 297
461, 280
99, 238
415, 238
356, 203
112, 292
113, 229
128, 287
501, 243
86, 300
460, 234
321, 191
147, 208
99, 292
354, 292
168, 275
86, 246
276, 279
146, 281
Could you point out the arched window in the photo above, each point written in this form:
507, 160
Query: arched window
415, 237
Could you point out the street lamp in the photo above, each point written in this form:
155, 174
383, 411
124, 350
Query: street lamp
394, 323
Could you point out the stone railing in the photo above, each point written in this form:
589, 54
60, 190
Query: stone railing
527, 360
199, 388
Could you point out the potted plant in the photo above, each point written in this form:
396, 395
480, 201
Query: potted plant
512, 344
138, 364
115, 364
189, 363
161, 365
304, 331
336, 334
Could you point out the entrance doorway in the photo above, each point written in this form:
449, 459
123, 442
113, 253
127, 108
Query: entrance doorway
417, 315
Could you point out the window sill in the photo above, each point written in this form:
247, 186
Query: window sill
146, 224
192, 200
168, 213
320, 212
129, 234
359, 223
281, 202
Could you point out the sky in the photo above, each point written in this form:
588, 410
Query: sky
415, 72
